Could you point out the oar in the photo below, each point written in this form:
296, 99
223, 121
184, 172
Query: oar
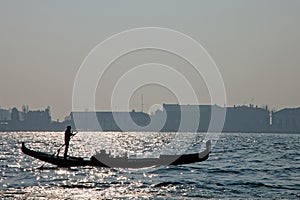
56, 152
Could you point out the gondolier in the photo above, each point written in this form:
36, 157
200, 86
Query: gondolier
68, 135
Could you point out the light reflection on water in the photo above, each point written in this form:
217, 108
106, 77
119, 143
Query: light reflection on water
139, 144
240, 166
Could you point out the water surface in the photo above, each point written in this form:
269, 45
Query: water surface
241, 166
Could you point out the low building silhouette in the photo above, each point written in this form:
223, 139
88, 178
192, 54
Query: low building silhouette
4, 115
286, 120
194, 121
109, 121
252, 119
247, 119
4, 119
238, 118
38, 120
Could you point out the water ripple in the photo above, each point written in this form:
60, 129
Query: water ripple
251, 166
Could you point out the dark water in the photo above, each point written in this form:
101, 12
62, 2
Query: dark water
241, 166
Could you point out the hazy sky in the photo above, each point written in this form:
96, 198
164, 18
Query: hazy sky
255, 44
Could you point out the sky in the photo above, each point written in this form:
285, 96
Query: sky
255, 45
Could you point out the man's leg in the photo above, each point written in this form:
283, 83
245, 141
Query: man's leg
66, 149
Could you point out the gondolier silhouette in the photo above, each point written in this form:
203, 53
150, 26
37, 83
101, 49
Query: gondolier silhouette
68, 135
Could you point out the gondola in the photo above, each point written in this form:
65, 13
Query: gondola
103, 159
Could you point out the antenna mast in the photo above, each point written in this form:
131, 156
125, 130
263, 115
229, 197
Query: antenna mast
142, 102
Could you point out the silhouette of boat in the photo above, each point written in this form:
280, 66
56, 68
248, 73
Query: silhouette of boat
105, 160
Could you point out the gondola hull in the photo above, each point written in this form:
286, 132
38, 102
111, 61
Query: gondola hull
59, 161
119, 162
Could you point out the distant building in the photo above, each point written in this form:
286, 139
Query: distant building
15, 117
197, 117
247, 119
37, 120
158, 119
109, 121
4, 118
4, 115
286, 120
238, 119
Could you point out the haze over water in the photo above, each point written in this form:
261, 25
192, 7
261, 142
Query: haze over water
251, 166
254, 43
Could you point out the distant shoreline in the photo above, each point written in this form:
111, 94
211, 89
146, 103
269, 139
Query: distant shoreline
238, 119
97, 131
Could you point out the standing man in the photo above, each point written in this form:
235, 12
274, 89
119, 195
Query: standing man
68, 134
